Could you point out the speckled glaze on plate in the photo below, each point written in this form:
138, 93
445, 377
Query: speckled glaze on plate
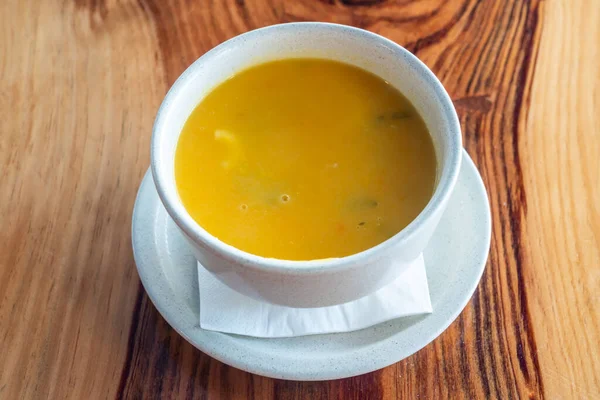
455, 259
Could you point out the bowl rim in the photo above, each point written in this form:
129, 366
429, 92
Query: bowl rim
203, 238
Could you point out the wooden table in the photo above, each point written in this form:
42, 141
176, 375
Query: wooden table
81, 81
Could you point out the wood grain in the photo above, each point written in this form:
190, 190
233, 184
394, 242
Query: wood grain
562, 138
80, 83
78, 94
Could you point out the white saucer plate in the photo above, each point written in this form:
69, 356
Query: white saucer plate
454, 259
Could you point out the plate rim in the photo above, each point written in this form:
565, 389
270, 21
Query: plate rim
244, 362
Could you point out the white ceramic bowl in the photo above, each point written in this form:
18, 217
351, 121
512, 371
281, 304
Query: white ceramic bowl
320, 282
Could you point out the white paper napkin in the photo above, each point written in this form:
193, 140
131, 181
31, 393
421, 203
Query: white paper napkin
225, 310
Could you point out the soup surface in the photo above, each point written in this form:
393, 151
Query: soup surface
304, 159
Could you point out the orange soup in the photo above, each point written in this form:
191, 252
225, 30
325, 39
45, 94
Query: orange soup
303, 159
